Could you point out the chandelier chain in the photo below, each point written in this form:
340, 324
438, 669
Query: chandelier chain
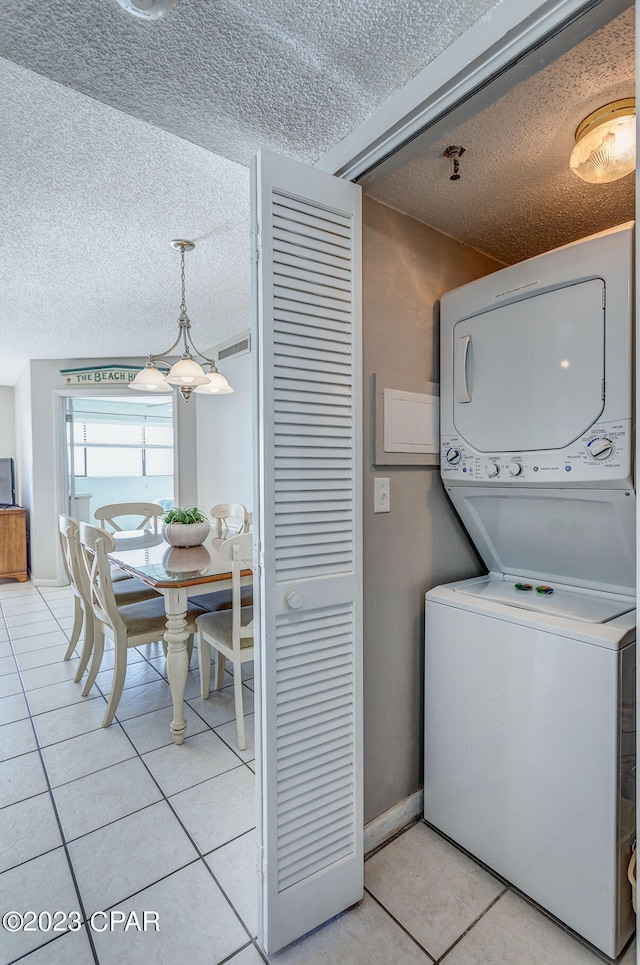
183, 305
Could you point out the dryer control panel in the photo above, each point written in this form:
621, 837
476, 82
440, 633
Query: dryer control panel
601, 458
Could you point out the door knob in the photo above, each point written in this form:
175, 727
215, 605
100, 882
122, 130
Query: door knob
294, 599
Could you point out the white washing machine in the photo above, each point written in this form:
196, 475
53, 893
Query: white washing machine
530, 671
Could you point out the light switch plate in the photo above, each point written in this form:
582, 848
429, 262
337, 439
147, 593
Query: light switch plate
381, 494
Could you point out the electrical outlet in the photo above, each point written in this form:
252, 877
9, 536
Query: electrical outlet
381, 494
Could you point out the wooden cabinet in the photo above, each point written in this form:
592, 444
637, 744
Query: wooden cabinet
13, 544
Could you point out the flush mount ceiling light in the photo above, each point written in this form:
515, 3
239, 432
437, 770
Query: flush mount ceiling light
186, 375
147, 9
605, 147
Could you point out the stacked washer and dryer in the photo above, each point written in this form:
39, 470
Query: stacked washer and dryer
530, 670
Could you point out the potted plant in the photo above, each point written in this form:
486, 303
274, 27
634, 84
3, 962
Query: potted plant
185, 527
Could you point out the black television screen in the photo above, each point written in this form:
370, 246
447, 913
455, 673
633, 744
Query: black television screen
7, 483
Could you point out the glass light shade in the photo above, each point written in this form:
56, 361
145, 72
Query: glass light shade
607, 151
216, 385
150, 379
186, 372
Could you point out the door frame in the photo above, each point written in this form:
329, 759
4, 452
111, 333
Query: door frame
61, 466
485, 51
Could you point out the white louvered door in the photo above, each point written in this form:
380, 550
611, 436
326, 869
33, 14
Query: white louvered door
308, 585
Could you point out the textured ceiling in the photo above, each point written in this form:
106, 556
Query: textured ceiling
91, 199
235, 75
517, 196
119, 135
95, 181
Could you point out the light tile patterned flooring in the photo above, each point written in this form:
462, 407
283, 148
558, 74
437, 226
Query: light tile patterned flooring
95, 819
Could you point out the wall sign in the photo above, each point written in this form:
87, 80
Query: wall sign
103, 374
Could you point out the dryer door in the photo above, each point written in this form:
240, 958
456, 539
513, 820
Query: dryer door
530, 375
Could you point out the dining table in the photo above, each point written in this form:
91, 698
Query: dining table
179, 574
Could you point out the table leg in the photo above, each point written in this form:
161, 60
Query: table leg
176, 636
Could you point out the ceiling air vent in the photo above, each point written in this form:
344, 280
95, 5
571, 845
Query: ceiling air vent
237, 346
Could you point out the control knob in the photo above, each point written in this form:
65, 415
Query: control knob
515, 468
493, 469
600, 448
453, 456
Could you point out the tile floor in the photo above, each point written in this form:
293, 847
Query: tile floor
94, 820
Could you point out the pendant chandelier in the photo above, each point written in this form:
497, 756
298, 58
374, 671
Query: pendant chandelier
187, 374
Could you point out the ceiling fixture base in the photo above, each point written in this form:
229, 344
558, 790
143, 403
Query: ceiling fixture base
147, 9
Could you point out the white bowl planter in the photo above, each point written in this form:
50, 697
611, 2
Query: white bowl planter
186, 534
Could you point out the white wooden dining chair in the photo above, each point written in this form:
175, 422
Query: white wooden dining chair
126, 590
129, 625
230, 632
228, 519
144, 513
68, 530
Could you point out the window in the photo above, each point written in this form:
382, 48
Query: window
135, 446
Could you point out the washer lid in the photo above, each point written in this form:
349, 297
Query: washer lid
577, 537
587, 607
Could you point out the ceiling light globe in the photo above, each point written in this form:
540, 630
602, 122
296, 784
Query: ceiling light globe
216, 385
186, 372
150, 379
607, 151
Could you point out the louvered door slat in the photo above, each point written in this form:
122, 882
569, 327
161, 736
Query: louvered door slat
313, 299
323, 419
311, 429
311, 256
321, 268
333, 759
304, 274
307, 323
308, 590
305, 244
284, 301
293, 220
299, 227
295, 389
293, 207
313, 347
324, 294
302, 533
293, 485
323, 706
300, 473
287, 365
300, 837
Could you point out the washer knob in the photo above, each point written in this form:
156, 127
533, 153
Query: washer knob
600, 448
515, 468
493, 469
453, 456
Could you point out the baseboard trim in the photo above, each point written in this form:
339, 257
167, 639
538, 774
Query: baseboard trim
38, 582
383, 827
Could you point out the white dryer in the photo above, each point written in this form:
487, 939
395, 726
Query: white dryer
530, 671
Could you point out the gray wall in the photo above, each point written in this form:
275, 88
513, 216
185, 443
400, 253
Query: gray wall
407, 266
225, 437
